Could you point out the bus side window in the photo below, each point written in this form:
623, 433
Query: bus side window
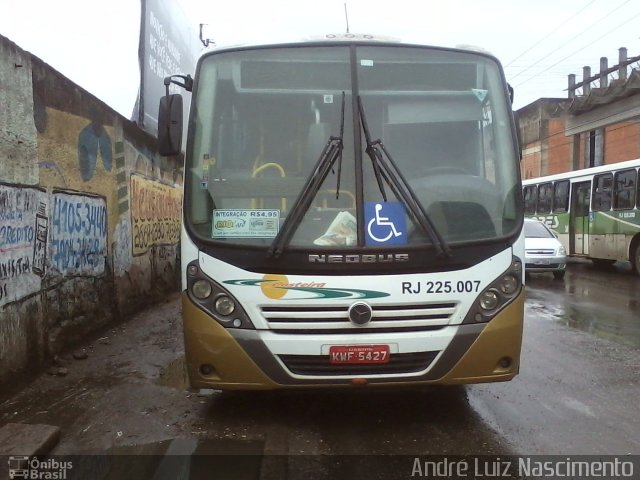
602, 192
561, 196
624, 189
638, 193
545, 197
530, 199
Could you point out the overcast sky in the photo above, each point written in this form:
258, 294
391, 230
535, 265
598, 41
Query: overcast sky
95, 43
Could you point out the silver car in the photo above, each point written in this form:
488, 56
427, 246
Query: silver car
543, 250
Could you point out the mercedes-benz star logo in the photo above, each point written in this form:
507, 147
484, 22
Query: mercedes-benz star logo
360, 313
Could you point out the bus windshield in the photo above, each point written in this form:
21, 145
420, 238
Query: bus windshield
276, 130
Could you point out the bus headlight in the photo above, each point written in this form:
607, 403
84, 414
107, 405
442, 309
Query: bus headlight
489, 300
497, 295
509, 284
201, 289
224, 305
215, 300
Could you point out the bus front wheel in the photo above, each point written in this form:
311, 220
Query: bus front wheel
635, 259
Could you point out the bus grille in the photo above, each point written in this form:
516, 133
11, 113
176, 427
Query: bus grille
320, 364
386, 318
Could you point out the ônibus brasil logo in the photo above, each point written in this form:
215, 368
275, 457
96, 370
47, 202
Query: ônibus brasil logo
36, 469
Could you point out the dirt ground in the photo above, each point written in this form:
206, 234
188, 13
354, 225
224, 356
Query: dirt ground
124, 386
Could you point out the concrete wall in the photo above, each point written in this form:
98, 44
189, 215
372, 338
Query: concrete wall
89, 214
622, 142
558, 147
546, 149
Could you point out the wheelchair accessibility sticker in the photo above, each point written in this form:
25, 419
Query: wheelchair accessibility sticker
386, 223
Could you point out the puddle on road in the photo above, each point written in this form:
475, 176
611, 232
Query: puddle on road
174, 375
607, 306
620, 327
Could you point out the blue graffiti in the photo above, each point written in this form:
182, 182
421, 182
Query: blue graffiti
93, 138
79, 233
79, 218
12, 236
78, 253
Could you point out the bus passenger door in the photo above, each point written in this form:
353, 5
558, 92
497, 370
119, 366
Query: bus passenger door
579, 218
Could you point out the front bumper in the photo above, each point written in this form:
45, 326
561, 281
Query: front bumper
241, 361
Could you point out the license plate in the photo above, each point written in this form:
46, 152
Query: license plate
546, 261
358, 354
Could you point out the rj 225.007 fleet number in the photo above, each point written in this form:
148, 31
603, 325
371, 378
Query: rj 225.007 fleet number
446, 286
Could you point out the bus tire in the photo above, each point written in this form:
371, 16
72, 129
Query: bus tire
635, 259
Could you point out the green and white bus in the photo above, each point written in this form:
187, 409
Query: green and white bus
595, 211
352, 216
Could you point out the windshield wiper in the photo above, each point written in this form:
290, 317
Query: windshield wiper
331, 152
385, 170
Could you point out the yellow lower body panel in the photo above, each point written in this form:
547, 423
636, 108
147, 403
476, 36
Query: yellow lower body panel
494, 356
206, 342
499, 342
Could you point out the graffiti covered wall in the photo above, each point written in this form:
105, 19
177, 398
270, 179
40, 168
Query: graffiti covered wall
78, 234
89, 214
21, 242
155, 214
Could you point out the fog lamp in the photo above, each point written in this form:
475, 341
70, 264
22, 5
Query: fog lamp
225, 306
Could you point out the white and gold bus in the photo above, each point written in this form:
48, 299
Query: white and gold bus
352, 216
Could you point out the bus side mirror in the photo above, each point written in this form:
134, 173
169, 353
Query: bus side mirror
170, 125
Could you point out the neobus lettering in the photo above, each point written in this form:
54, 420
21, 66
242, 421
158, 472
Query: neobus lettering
381, 258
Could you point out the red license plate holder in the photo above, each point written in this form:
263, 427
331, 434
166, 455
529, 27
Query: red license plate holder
358, 354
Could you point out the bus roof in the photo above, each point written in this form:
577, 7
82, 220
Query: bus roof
344, 37
585, 172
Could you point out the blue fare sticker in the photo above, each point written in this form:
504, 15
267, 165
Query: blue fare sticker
255, 223
386, 223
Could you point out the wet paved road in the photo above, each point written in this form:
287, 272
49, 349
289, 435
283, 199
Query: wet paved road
578, 389
577, 392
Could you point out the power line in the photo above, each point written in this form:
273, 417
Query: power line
551, 33
572, 39
582, 47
